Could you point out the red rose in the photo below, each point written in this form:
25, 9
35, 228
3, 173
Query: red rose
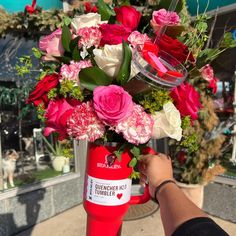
213, 85
113, 34
128, 16
40, 94
181, 157
88, 7
175, 48
186, 100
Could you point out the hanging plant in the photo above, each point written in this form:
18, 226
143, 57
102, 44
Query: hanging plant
30, 25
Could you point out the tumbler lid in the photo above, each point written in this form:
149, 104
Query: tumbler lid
171, 74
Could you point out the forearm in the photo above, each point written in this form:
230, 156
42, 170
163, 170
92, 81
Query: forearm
175, 208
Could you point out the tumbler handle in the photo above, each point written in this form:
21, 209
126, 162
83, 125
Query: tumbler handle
142, 198
146, 195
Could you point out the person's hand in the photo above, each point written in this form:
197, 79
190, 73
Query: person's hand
154, 169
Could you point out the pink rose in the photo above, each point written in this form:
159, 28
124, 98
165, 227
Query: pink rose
186, 100
128, 16
207, 73
112, 104
52, 45
164, 17
57, 113
113, 34
136, 38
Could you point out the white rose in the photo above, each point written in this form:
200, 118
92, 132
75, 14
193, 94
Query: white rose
167, 123
86, 20
109, 58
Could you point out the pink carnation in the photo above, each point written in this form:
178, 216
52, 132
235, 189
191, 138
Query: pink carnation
137, 128
164, 17
137, 38
84, 123
90, 36
71, 72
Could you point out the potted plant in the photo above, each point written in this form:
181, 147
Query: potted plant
196, 157
60, 155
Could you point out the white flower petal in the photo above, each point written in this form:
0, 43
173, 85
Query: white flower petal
167, 123
109, 58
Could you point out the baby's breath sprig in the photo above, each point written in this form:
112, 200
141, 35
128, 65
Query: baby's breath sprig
68, 88
41, 112
154, 100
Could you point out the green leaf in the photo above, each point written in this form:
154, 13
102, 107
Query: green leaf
74, 43
67, 20
118, 154
63, 59
202, 26
135, 175
125, 68
66, 38
104, 10
76, 54
92, 77
228, 41
37, 53
133, 162
112, 20
206, 56
135, 151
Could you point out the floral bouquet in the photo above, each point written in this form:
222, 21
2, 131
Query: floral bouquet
91, 68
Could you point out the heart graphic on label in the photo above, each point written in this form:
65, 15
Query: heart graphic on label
119, 195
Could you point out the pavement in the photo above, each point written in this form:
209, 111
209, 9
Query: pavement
73, 223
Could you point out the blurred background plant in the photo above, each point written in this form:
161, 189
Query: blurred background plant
196, 158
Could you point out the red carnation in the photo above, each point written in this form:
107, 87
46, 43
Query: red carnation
175, 48
40, 94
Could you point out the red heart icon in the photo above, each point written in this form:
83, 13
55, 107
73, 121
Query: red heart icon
119, 195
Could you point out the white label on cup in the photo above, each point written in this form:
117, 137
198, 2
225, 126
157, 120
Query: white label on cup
108, 192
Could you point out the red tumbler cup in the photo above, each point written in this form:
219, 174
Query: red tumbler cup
107, 190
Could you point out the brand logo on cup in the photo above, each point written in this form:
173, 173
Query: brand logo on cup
110, 159
109, 162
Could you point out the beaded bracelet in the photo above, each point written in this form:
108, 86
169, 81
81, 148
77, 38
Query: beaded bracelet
160, 186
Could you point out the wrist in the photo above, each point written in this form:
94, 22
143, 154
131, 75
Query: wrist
163, 185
